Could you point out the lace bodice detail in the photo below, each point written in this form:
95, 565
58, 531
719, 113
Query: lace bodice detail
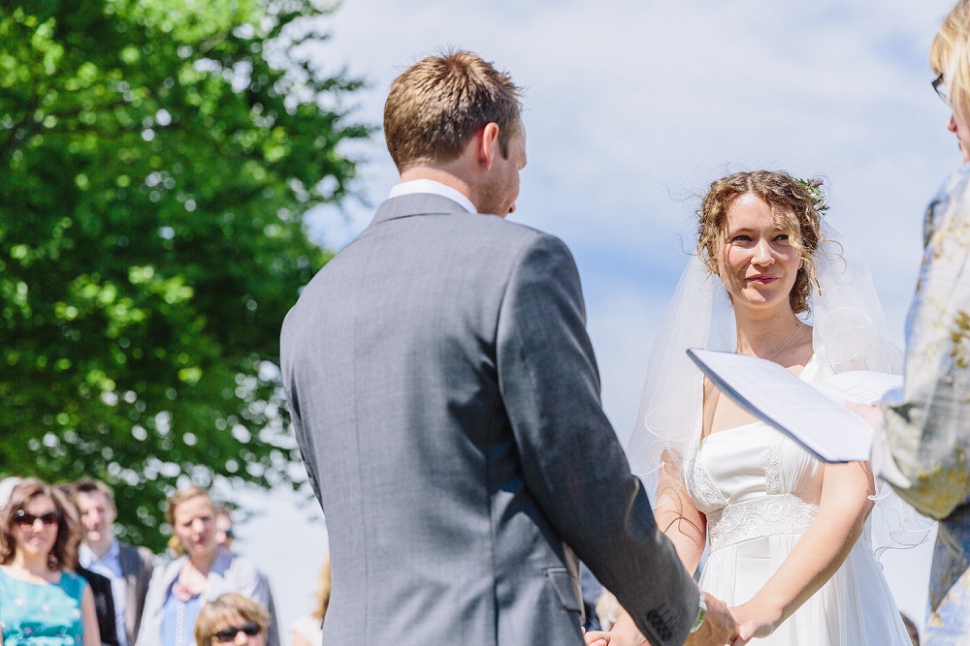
752, 481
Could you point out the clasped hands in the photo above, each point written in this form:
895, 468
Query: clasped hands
721, 627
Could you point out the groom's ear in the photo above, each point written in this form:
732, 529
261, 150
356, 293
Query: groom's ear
487, 143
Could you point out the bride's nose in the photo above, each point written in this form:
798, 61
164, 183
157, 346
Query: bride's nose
762, 253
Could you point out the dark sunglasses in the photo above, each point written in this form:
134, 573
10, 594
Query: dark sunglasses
25, 519
940, 86
229, 634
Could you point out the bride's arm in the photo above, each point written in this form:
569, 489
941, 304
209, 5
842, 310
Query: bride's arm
843, 508
678, 517
683, 524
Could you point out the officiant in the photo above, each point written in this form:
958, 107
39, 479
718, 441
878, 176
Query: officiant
924, 430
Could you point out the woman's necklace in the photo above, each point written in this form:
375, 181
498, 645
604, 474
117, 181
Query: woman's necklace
790, 339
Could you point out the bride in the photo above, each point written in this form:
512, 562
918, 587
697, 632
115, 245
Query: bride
783, 530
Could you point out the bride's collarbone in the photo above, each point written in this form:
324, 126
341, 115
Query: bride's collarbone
722, 414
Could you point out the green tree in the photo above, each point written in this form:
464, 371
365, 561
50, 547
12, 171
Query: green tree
156, 159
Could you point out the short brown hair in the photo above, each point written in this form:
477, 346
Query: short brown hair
64, 553
437, 105
89, 486
226, 605
793, 207
176, 499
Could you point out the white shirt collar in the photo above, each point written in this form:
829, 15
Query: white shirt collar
86, 556
435, 188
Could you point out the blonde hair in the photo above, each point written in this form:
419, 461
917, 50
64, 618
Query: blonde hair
324, 585
437, 105
176, 499
950, 53
222, 609
793, 208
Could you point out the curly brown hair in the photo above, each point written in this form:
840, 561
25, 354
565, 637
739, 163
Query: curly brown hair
64, 553
793, 207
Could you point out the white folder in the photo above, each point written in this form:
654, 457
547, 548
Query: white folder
811, 413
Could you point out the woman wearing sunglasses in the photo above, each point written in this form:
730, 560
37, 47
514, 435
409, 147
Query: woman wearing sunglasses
204, 571
231, 619
41, 600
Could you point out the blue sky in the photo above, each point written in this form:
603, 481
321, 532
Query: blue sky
632, 108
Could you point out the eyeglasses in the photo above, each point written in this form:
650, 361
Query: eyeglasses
229, 634
940, 86
25, 519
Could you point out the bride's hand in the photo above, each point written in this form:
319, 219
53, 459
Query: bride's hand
872, 414
754, 620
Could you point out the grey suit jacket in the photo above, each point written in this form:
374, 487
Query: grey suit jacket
446, 402
136, 568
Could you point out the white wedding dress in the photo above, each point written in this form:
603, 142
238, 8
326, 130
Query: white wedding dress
760, 492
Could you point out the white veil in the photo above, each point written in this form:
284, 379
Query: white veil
850, 333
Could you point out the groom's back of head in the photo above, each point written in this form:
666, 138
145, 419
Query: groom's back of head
438, 104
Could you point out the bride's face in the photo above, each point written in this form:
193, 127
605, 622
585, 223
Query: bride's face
758, 264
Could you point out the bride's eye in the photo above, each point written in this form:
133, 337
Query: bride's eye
741, 238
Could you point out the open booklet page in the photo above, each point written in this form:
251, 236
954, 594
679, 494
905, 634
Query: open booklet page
811, 413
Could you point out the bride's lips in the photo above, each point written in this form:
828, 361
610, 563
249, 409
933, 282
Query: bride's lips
762, 279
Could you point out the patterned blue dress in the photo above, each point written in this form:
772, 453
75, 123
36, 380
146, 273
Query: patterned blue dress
41, 614
928, 422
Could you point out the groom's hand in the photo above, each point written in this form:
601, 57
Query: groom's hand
719, 627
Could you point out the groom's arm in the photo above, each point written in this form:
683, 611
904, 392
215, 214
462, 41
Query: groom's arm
572, 461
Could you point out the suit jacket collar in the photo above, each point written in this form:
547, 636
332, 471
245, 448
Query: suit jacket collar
129, 560
417, 204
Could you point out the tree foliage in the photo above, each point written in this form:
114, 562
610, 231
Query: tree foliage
156, 158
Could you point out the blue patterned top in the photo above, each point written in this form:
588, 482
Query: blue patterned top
41, 614
178, 620
928, 422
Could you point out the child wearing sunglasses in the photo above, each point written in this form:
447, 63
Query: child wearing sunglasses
41, 600
231, 619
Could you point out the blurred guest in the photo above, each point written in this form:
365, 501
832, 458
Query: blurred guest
224, 532
6, 487
608, 609
41, 600
592, 590
225, 537
128, 568
231, 619
308, 629
202, 572
104, 605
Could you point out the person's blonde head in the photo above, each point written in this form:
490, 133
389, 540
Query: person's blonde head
793, 207
437, 105
183, 495
324, 585
228, 607
950, 53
